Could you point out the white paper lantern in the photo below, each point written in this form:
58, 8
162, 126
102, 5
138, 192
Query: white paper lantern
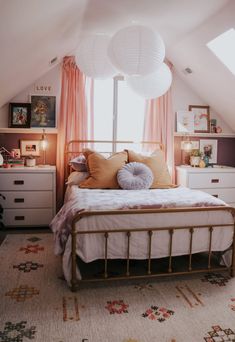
92, 59
136, 50
153, 85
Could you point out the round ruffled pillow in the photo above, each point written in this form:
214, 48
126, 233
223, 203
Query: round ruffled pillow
135, 176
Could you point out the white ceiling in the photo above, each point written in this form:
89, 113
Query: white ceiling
32, 32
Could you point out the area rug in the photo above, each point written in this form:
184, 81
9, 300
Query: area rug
37, 305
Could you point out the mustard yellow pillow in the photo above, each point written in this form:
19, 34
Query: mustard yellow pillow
157, 164
103, 172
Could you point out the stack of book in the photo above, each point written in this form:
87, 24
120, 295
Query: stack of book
16, 162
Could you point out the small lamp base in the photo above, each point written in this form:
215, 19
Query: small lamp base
44, 165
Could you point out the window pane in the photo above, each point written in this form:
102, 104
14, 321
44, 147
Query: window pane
130, 122
103, 113
103, 109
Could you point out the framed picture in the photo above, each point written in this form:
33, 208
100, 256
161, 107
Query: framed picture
185, 121
208, 147
19, 115
30, 148
43, 111
201, 118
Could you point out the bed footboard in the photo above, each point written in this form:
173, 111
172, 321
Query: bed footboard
150, 231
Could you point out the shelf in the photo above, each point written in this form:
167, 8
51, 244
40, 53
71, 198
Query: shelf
209, 135
48, 130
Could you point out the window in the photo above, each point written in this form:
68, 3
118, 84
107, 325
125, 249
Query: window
223, 47
118, 111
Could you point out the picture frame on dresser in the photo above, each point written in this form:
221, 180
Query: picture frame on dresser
19, 115
209, 148
201, 118
30, 148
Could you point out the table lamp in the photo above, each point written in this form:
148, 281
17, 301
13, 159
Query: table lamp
44, 146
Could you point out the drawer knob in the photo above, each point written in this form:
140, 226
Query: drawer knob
18, 182
19, 218
215, 180
19, 200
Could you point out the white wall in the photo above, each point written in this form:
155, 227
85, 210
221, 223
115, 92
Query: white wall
52, 78
183, 96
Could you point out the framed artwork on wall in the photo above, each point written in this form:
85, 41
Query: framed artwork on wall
185, 121
30, 148
43, 111
208, 147
201, 118
19, 115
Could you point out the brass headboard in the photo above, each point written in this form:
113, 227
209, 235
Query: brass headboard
107, 147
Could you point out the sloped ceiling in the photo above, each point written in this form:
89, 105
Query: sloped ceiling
33, 32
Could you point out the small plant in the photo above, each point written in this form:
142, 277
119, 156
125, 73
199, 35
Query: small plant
196, 153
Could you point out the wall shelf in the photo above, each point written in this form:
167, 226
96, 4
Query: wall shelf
205, 135
48, 130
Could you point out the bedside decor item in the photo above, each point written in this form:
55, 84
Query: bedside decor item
213, 125
208, 148
1, 160
19, 115
30, 161
185, 121
30, 147
201, 118
195, 157
44, 146
43, 111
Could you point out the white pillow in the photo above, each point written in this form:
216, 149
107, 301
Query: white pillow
79, 163
135, 176
75, 178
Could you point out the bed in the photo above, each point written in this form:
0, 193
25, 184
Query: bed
150, 225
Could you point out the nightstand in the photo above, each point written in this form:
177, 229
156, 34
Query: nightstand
217, 181
30, 195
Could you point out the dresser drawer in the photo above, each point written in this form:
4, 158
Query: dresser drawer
26, 181
227, 195
29, 199
211, 180
27, 217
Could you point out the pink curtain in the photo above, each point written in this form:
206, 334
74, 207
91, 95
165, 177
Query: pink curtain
159, 125
73, 119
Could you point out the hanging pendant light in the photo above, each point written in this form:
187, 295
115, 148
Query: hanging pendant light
92, 59
153, 85
136, 50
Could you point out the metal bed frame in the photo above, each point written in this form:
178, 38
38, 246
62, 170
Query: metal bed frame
149, 232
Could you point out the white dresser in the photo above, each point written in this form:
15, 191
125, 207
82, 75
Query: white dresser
30, 195
218, 181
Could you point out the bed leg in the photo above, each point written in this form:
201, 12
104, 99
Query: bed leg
232, 273
73, 286
73, 268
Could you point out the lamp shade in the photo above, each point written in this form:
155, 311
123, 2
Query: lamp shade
92, 59
153, 85
136, 50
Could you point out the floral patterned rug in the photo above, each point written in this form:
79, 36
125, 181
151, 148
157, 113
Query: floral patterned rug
36, 304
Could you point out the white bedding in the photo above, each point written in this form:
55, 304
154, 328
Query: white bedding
91, 247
